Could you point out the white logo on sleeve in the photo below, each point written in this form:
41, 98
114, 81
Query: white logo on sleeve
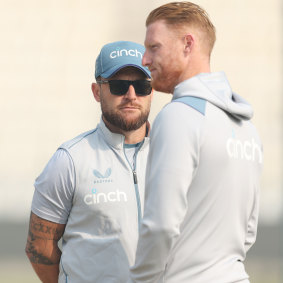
248, 149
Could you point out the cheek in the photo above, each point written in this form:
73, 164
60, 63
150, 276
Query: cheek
166, 59
147, 103
144, 102
107, 104
111, 100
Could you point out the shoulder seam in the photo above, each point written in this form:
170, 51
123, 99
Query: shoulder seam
199, 104
76, 140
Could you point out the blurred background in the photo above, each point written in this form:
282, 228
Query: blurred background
47, 55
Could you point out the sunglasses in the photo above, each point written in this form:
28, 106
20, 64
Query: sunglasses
120, 87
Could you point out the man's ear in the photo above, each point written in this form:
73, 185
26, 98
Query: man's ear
96, 91
189, 43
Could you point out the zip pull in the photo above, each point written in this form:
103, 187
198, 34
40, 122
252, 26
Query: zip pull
135, 177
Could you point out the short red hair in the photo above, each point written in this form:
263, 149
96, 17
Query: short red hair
186, 14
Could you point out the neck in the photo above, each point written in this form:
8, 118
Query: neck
135, 136
193, 71
131, 137
195, 66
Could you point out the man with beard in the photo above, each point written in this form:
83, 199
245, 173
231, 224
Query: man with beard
205, 159
91, 192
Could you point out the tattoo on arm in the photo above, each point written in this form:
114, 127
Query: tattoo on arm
34, 256
42, 241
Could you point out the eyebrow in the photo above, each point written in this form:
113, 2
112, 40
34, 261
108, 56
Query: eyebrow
153, 44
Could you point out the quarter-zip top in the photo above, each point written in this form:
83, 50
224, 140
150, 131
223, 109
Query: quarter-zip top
135, 177
103, 223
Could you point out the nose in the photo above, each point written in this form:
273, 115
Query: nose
145, 59
131, 93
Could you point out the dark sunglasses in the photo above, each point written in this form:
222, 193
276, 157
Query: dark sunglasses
120, 87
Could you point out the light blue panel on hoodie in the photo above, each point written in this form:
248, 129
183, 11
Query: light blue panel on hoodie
194, 102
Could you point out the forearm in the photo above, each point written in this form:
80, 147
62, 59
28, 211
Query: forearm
47, 273
42, 248
45, 265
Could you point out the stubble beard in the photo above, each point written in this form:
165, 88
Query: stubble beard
166, 81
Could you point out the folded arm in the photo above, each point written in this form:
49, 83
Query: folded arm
42, 247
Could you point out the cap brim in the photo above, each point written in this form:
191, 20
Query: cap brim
111, 72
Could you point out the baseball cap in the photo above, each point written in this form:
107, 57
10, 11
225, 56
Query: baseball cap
117, 55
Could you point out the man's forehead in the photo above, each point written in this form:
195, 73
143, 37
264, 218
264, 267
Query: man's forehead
158, 31
156, 27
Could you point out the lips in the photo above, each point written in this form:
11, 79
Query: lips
129, 107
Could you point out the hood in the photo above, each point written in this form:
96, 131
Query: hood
215, 88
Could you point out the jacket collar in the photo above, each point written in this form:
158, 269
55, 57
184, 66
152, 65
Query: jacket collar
117, 140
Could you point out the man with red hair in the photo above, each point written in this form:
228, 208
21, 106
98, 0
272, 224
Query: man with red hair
205, 159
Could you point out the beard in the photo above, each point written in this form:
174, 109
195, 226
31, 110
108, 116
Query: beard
166, 81
167, 74
124, 123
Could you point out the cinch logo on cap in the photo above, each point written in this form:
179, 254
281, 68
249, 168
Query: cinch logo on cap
117, 55
124, 52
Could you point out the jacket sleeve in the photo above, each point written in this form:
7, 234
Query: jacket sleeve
54, 189
172, 162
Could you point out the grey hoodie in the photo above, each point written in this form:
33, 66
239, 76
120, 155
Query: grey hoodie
202, 187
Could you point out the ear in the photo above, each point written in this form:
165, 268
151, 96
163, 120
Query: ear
189, 43
96, 91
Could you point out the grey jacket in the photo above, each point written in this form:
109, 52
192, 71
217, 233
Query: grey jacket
90, 186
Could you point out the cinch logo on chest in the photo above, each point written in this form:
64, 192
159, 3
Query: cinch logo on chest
95, 197
248, 150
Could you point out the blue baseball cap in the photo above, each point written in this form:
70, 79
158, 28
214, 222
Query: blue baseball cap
118, 55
